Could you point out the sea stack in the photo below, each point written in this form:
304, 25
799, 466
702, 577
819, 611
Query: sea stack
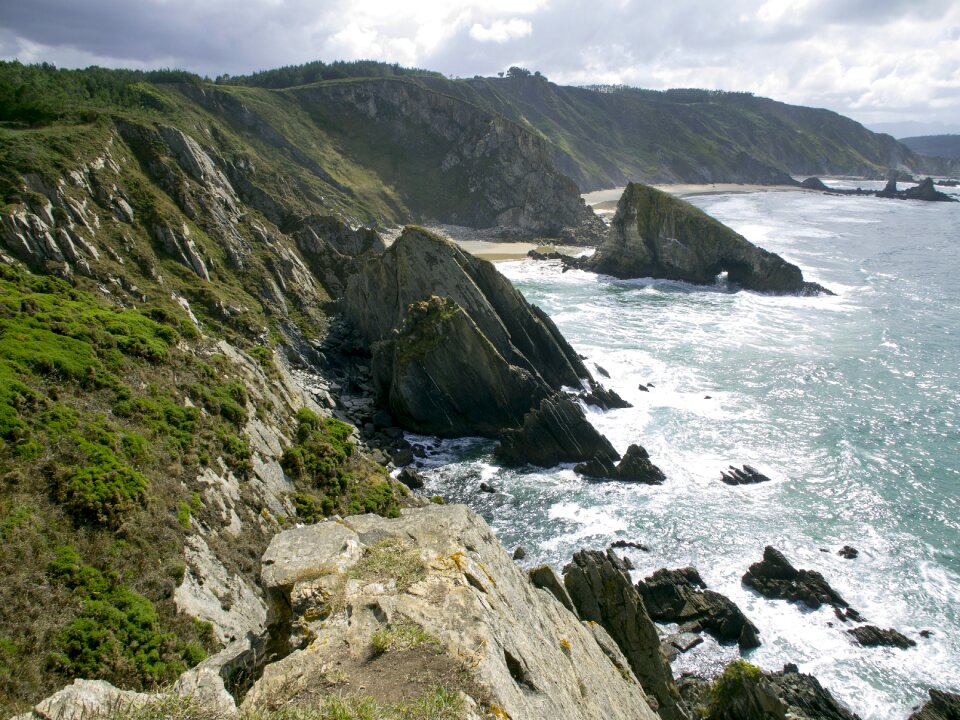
654, 234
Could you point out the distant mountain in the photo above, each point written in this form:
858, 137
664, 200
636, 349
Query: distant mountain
603, 136
941, 146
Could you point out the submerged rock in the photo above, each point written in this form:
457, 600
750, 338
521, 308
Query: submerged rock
555, 432
872, 636
602, 592
654, 234
682, 597
774, 577
634, 467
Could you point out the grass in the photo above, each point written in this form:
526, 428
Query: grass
402, 636
394, 559
439, 703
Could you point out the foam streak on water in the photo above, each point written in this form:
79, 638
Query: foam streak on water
849, 403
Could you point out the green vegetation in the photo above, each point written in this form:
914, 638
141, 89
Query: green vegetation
333, 476
438, 703
116, 634
737, 678
317, 71
402, 636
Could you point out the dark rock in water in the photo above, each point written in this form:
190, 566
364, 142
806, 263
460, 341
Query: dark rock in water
925, 634
411, 478
629, 544
520, 553
708, 397
555, 432
890, 189
744, 692
545, 578
848, 552
848, 615
643, 388
940, 706
654, 234
774, 577
872, 636
749, 475
487, 488
601, 371
402, 457
456, 348
682, 597
635, 467
602, 398
814, 183
926, 191
602, 592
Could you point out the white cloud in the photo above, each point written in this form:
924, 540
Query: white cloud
500, 31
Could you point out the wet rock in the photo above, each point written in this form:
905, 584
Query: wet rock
748, 475
629, 544
940, 706
848, 552
926, 191
487, 488
643, 388
520, 553
411, 478
634, 467
601, 397
774, 577
926, 634
848, 615
654, 234
601, 371
555, 432
872, 636
682, 597
602, 592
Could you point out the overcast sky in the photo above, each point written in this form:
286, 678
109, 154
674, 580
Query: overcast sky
878, 61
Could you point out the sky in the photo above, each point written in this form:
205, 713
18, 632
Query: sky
893, 65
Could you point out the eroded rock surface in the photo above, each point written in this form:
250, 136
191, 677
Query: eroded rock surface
437, 574
940, 706
634, 467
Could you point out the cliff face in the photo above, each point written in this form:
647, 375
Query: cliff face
449, 160
654, 234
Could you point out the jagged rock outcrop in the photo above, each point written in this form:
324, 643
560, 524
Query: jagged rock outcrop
556, 431
456, 348
654, 234
437, 579
682, 597
634, 467
775, 577
940, 706
602, 592
744, 692
924, 190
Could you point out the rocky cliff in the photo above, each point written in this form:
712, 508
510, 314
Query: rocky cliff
654, 234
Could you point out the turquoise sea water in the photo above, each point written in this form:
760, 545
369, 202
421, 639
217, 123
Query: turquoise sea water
850, 403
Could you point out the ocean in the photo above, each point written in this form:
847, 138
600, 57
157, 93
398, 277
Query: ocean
849, 403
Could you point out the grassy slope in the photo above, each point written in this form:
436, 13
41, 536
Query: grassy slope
112, 402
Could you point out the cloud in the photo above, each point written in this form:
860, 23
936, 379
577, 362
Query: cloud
876, 60
501, 31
